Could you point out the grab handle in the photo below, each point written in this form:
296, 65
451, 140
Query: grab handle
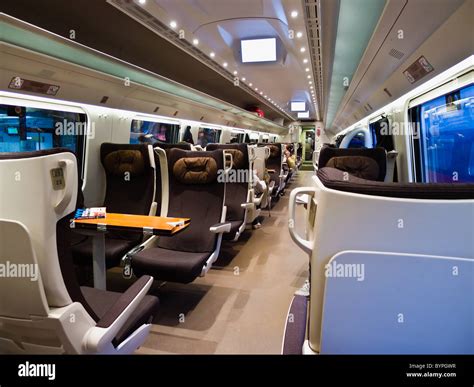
304, 244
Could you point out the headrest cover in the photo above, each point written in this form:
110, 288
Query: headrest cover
359, 166
195, 170
121, 161
274, 150
238, 158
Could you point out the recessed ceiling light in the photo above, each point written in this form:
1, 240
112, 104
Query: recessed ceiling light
244, 79
195, 42
225, 64
250, 84
261, 93
311, 87
305, 60
212, 54
173, 24
142, 1
302, 49
256, 89
309, 76
299, 34
310, 82
294, 14
306, 69
235, 72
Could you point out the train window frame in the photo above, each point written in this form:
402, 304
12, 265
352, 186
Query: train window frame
414, 112
81, 126
145, 138
388, 143
202, 129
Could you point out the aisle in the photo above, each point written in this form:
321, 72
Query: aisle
240, 306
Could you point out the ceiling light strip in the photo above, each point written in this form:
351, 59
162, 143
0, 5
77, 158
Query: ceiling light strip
137, 12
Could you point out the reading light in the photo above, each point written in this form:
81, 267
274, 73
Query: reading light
294, 14
212, 54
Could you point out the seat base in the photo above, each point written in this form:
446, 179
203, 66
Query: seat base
169, 265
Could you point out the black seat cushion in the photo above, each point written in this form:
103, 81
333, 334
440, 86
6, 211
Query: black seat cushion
234, 228
115, 249
377, 154
102, 300
169, 265
338, 180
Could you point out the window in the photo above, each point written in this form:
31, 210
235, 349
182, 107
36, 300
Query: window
151, 132
236, 138
358, 141
208, 136
24, 129
381, 136
444, 147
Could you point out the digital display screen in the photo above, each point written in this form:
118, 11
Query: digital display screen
297, 106
12, 131
303, 115
258, 50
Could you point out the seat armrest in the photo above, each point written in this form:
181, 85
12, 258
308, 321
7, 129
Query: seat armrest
100, 337
124, 301
247, 206
220, 228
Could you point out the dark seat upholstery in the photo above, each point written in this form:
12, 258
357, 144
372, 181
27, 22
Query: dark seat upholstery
195, 193
355, 161
174, 266
236, 191
336, 179
274, 162
130, 187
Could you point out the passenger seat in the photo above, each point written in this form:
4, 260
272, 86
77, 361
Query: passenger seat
194, 192
130, 189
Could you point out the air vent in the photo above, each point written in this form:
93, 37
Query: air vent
370, 107
387, 92
396, 54
175, 113
104, 99
156, 109
202, 118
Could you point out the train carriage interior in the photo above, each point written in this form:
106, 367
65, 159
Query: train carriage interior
247, 177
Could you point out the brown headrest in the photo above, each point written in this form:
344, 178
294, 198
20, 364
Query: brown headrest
121, 161
359, 166
238, 158
274, 150
195, 170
